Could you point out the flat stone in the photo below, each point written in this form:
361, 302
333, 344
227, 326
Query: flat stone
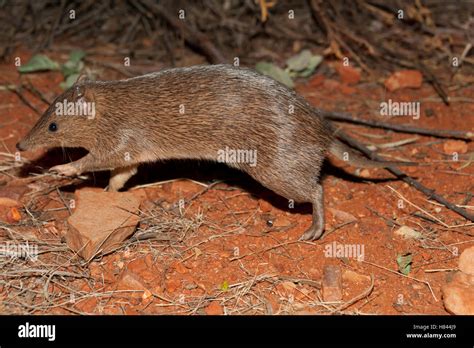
408, 233
332, 283
451, 146
342, 216
466, 261
101, 221
133, 282
404, 79
458, 295
351, 276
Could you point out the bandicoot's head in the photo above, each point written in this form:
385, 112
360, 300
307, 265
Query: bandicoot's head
69, 121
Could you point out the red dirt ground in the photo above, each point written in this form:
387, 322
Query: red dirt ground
230, 259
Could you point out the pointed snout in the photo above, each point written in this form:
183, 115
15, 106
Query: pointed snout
20, 146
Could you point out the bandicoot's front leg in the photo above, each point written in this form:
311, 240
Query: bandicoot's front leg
119, 176
88, 163
69, 169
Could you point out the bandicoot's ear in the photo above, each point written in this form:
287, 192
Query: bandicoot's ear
78, 91
79, 87
82, 78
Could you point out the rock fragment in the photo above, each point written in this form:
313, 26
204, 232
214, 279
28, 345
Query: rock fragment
332, 283
101, 221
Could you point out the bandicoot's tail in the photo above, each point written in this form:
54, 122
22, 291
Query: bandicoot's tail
344, 152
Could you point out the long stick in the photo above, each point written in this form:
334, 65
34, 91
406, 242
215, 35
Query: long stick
340, 116
20, 95
430, 193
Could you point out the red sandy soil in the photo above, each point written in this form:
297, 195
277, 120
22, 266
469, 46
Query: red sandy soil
234, 260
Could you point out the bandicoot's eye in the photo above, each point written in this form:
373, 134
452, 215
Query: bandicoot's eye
53, 127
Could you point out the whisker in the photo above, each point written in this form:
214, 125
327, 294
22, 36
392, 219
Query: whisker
69, 156
64, 151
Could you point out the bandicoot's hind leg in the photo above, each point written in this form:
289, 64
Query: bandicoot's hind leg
119, 176
317, 228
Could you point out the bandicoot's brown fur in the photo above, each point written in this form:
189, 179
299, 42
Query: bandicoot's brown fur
196, 113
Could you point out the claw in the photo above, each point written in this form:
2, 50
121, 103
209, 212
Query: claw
65, 169
313, 233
